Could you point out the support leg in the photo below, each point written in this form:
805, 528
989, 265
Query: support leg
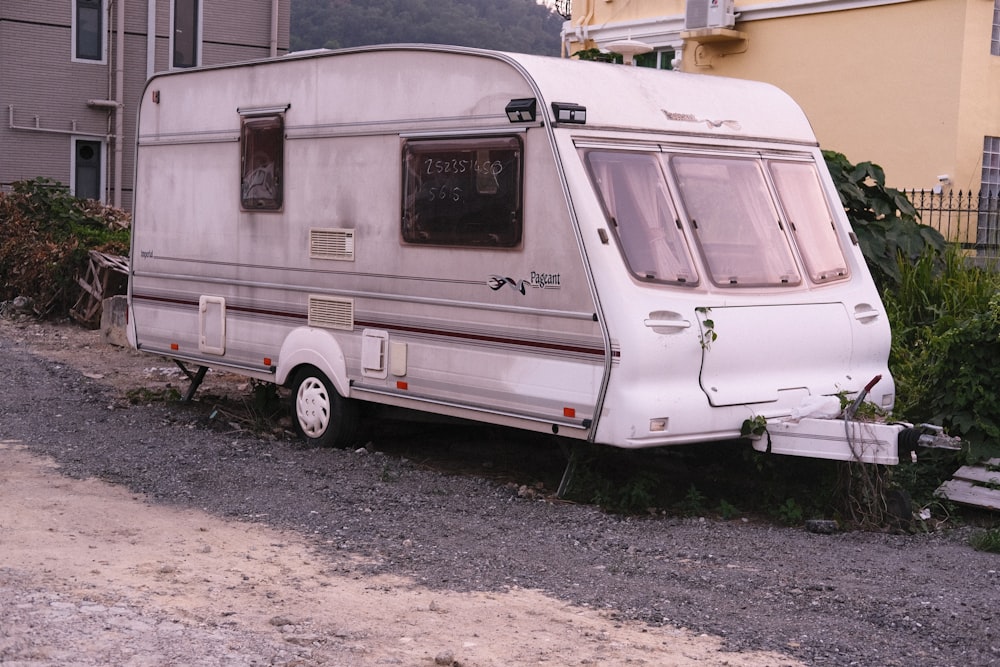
572, 452
195, 379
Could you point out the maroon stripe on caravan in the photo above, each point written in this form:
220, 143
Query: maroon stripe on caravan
458, 335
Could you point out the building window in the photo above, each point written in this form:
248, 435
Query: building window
995, 41
186, 33
262, 152
88, 30
660, 59
87, 171
988, 226
463, 192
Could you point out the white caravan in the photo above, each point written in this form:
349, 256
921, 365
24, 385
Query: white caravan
618, 255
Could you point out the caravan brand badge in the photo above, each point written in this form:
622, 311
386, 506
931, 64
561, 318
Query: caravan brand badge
537, 280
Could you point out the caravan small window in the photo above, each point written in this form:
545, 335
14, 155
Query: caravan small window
634, 194
262, 148
463, 192
735, 222
809, 220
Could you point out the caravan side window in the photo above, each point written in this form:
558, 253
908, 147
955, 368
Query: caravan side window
463, 192
262, 144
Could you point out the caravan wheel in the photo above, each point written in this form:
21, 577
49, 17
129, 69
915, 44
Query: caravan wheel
322, 416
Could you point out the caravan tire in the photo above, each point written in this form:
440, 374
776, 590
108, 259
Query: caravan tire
323, 417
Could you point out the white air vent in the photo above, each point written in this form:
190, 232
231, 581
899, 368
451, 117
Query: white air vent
709, 14
331, 313
332, 244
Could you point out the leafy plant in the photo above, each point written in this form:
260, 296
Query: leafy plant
708, 334
883, 219
754, 427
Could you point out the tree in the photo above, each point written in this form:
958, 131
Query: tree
507, 25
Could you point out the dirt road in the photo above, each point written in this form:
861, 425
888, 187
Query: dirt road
146, 534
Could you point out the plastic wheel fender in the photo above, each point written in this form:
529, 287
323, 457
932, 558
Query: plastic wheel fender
318, 348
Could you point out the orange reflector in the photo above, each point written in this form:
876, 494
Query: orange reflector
267, 361
569, 412
402, 385
175, 346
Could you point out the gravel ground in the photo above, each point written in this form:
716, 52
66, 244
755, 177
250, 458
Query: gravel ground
855, 598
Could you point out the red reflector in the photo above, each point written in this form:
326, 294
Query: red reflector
402, 385
175, 346
267, 361
569, 412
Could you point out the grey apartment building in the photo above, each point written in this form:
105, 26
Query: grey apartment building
72, 72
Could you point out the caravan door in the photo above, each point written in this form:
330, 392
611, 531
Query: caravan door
768, 240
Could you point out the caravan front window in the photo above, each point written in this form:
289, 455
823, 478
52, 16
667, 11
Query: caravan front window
735, 222
809, 219
462, 192
634, 194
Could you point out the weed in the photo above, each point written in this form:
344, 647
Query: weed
727, 510
754, 427
693, 503
708, 334
986, 540
144, 396
790, 512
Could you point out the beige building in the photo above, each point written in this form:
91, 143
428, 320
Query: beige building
913, 85
72, 71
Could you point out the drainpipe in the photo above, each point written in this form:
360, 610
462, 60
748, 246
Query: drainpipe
274, 28
582, 27
150, 38
120, 101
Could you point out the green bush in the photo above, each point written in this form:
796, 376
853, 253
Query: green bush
45, 236
945, 316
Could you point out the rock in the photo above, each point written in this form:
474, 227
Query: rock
445, 658
822, 526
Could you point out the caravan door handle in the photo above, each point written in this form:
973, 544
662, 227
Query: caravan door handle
865, 313
666, 322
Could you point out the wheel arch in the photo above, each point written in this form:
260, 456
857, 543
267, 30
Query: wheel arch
315, 347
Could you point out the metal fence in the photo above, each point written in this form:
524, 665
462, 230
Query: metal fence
972, 220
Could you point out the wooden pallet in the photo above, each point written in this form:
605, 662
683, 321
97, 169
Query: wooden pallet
107, 275
977, 485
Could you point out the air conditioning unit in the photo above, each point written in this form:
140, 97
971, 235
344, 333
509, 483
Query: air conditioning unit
703, 14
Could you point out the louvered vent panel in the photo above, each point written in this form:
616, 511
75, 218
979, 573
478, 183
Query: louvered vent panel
331, 313
332, 244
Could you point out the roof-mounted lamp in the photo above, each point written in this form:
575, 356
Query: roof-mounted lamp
568, 112
521, 110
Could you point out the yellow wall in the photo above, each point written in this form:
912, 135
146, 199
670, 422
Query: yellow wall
878, 84
979, 96
910, 86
